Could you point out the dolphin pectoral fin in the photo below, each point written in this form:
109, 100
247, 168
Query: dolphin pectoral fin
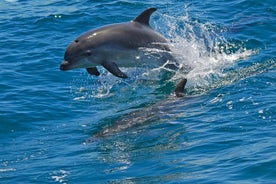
179, 89
93, 71
114, 69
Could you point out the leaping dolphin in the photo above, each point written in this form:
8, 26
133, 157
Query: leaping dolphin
117, 45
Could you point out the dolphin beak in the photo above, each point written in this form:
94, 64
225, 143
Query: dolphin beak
64, 65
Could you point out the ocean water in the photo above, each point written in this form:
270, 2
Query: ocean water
70, 127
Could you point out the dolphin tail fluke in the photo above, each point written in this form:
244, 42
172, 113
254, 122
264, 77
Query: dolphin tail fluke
144, 17
179, 89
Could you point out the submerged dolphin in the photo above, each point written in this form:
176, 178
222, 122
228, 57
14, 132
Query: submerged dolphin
118, 45
141, 116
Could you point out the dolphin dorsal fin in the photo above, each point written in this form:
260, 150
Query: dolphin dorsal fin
144, 17
179, 89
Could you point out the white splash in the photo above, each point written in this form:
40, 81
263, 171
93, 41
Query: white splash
202, 47
60, 176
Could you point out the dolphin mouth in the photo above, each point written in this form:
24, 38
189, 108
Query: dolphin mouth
65, 66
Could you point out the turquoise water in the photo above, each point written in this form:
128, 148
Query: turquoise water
223, 131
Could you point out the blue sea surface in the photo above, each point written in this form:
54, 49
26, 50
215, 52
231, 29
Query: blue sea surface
71, 127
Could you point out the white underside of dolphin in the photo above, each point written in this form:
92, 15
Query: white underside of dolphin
130, 44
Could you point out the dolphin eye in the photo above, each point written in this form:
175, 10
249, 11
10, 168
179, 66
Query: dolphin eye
76, 41
87, 53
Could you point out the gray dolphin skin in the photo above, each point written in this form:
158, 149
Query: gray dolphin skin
117, 45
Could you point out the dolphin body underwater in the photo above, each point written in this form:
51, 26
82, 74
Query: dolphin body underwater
142, 116
129, 44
